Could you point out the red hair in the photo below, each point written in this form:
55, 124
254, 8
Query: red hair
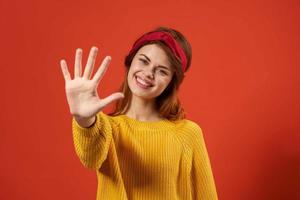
167, 103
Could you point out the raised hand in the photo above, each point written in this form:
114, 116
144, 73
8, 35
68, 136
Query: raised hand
82, 95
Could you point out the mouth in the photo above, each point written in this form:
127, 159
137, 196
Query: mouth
142, 84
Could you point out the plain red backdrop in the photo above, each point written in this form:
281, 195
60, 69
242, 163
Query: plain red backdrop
242, 88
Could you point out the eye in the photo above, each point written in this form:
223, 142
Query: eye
144, 61
163, 72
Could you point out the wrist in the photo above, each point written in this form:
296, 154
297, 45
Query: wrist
85, 122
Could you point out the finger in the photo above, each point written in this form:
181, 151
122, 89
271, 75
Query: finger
78, 64
102, 69
90, 63
65, 71
111, 98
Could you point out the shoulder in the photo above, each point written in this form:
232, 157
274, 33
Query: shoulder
188, 125
189, 131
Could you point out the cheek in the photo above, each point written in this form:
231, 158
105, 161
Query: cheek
132, 71
133, 68
169, 81
165, 82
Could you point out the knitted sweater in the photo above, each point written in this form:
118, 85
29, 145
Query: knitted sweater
145, 160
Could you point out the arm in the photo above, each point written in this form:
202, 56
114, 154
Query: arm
201, 172
92, 137
92, 143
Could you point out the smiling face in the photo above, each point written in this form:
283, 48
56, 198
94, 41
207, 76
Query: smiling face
150, 72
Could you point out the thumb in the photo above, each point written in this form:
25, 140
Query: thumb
111, 98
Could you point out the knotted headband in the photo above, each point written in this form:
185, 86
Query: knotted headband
168, 39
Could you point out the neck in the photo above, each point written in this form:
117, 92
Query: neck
142, 109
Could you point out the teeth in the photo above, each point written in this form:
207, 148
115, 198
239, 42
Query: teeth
142, 82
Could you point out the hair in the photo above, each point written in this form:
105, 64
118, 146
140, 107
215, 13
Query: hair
167, 103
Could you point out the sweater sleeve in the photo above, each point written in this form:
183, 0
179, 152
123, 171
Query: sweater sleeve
201, 173
92, 143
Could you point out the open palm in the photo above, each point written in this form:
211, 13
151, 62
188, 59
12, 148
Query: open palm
81, 92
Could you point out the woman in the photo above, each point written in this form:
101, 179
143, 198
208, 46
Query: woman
145, 149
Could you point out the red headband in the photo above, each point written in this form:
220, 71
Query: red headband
168, 39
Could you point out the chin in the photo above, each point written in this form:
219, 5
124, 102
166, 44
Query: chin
143, 95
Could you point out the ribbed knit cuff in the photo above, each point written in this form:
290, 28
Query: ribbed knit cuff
92, 130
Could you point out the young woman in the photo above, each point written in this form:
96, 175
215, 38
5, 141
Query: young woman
146, 148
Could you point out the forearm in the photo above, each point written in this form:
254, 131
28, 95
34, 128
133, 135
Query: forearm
92, 143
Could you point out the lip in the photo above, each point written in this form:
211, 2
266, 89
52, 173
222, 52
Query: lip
140, 85
148, 82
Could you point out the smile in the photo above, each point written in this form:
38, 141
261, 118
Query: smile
141, 83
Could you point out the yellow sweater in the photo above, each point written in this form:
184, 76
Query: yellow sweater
145, 160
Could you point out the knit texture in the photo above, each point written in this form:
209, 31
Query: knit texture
146, 160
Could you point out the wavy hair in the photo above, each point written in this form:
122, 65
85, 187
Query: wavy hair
167, 103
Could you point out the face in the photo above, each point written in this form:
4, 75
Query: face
150, 72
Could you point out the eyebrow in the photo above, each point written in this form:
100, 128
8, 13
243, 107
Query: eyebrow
162, 66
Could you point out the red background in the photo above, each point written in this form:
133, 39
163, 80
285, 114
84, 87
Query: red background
242, 88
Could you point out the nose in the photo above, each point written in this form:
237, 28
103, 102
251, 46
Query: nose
148, 73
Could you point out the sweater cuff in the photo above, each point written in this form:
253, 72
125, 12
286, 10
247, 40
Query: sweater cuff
92, 130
